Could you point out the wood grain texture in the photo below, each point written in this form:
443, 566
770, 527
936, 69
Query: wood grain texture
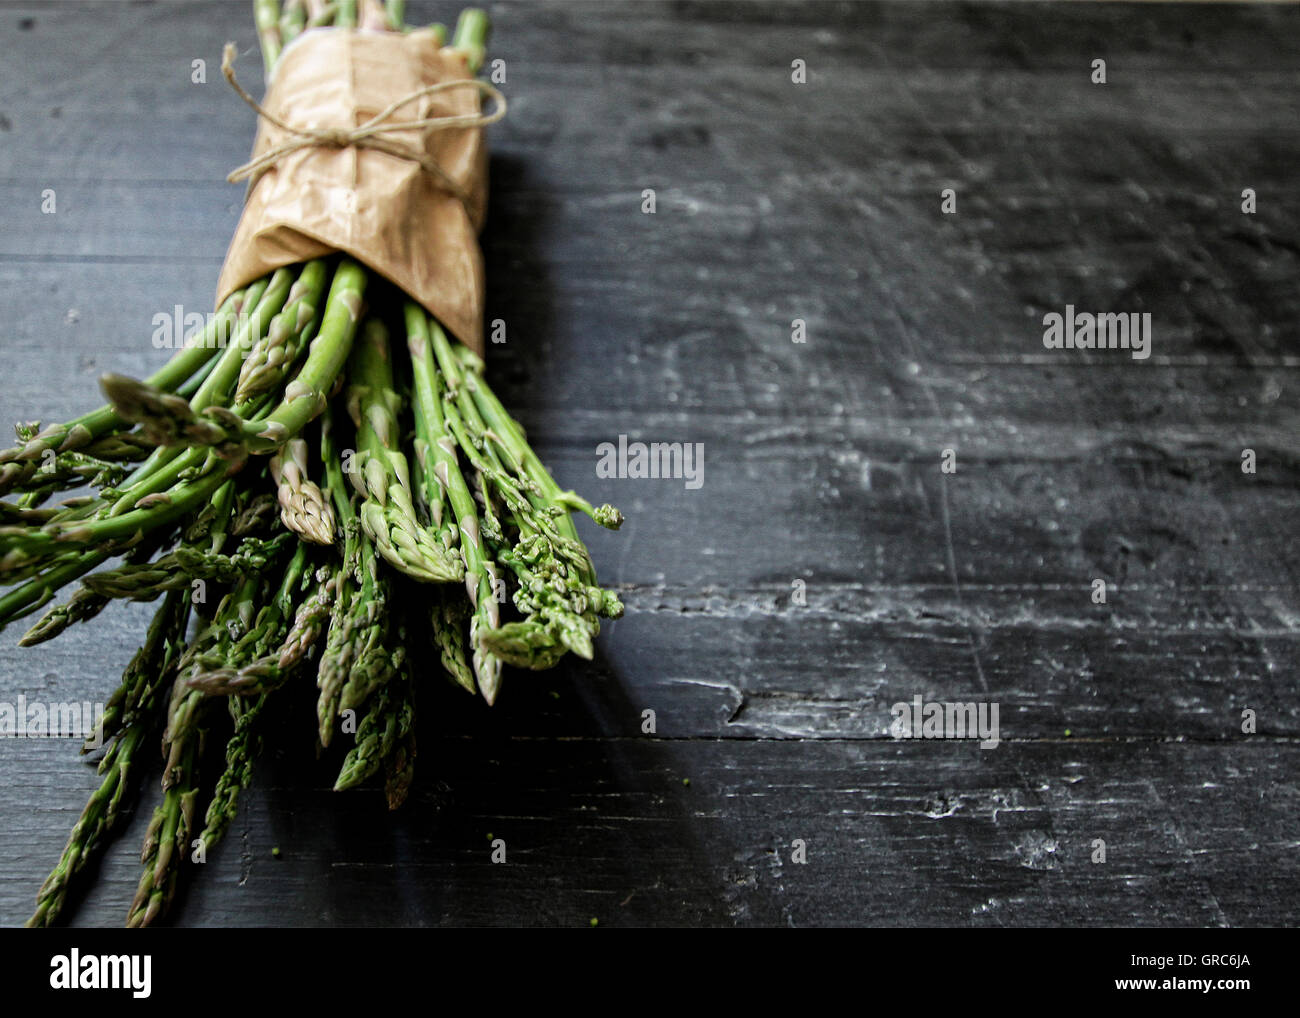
822, 463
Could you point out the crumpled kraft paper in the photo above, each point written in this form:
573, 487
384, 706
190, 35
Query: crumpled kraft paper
383, 210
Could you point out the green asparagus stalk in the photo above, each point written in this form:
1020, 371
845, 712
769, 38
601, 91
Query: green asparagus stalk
310, 620
505, 431
448, 618
255, 516
284, 321
321, 13
260, 639
382, 476
389, 720
39, 590
82, 606
25, 552
266, 13
145, 502
11, 514
397, 15
304, 509
97, 819
178, 569
234, 617
471, 37
373, 668
148, 673
193, 357
305, 396
59, 472
443, 467
242, 747
358, 624
552, 567
264, 659
288, 333
399, 767
293, 20
167, 839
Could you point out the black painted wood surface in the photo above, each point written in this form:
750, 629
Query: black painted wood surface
775, 201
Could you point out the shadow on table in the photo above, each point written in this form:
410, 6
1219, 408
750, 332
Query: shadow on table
587, 814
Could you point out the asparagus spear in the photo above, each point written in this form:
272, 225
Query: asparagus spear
303, 506
435, 441
280, 330
44, 576
374, 667
148, 672
242, 747
190, 359
382, 476
275, 648
399, 767
127, 717
179, 568
389, 720
293, 20
287, 335
22, 514
509, 437
472, 29
552, 566
310, 620
170, 489
397, 15
254, 516
236, 433
122, 518
96, 820
257, 646
358, 621
321, 13
25, 552
250, 328
83, 605
448, 618
233, 618
167, 839
59, 472
266, 14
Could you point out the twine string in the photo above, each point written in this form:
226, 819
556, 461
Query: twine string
371, 134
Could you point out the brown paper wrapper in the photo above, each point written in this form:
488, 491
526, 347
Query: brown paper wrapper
383, 210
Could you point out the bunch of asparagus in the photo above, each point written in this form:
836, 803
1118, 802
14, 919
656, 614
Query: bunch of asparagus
333, 467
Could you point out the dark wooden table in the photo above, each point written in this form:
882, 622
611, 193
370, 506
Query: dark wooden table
823, 462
